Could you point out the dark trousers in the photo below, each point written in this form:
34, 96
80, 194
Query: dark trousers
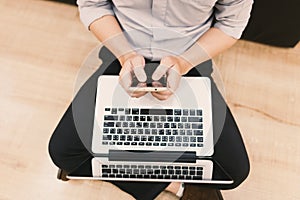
69, 144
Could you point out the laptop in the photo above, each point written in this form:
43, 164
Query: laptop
145, 139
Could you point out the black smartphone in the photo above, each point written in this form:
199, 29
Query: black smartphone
150, 85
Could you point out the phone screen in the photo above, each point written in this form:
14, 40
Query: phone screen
150, 84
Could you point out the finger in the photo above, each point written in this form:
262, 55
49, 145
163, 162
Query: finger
173, 78
160, 71
125, 76
162, 95
137, 94
138, 64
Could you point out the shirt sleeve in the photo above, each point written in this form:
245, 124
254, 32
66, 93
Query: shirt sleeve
91, 10
232, 16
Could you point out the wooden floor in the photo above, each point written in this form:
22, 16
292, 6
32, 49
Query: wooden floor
42, 45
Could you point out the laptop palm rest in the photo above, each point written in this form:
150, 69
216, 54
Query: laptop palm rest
152, 156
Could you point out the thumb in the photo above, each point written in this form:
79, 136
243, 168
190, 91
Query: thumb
159, 72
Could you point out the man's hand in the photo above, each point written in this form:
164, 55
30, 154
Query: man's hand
132, 64
174, 67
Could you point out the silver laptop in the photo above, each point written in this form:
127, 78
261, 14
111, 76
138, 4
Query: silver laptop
145, 139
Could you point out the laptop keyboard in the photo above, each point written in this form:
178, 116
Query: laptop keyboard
153, 127
152, 171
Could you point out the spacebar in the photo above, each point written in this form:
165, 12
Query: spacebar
156, 111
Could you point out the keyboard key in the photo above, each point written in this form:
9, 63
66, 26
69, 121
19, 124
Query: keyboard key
197, 177
152, 125
174, 177
156, 144
185, 144
143, 138
197, 126
128, 118
151, 138
178, 138
133, 143
111, 117
192, 112
181, 132
114, 111
198, 132
119, 131
194, 119
122, 137
106, 137
109, 124
199, 145
177, 112
156, 118
163, 118
148, 143
159, 125
127, 111
116, 137
125, 124
126, 131
157, 111
193, 139
173, 125
170, 119
119, 143
171, 139
135, 111
185, 112
140, 131
142, 118
106, 171
149, 118
164, 138
125, 176
112, 143
199, 139
163, 144
166, 125
118, 124
139, 125
141, 143
105, 130
176, 119
161, 131
135, 118
170, 144
129, 138
183, 119
122, 118
157, 138
154, 131
132, 124
146, 125
107, 109
199, 112
136, 138
178, 144
147, 131
112, 130
185, 139
126, 143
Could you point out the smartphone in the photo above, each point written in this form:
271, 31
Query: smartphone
150, 85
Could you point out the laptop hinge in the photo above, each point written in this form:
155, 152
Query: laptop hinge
152, 156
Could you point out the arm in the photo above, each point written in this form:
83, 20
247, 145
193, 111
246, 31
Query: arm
98, 17
231, 19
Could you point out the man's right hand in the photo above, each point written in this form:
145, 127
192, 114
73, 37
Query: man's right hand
132, 64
